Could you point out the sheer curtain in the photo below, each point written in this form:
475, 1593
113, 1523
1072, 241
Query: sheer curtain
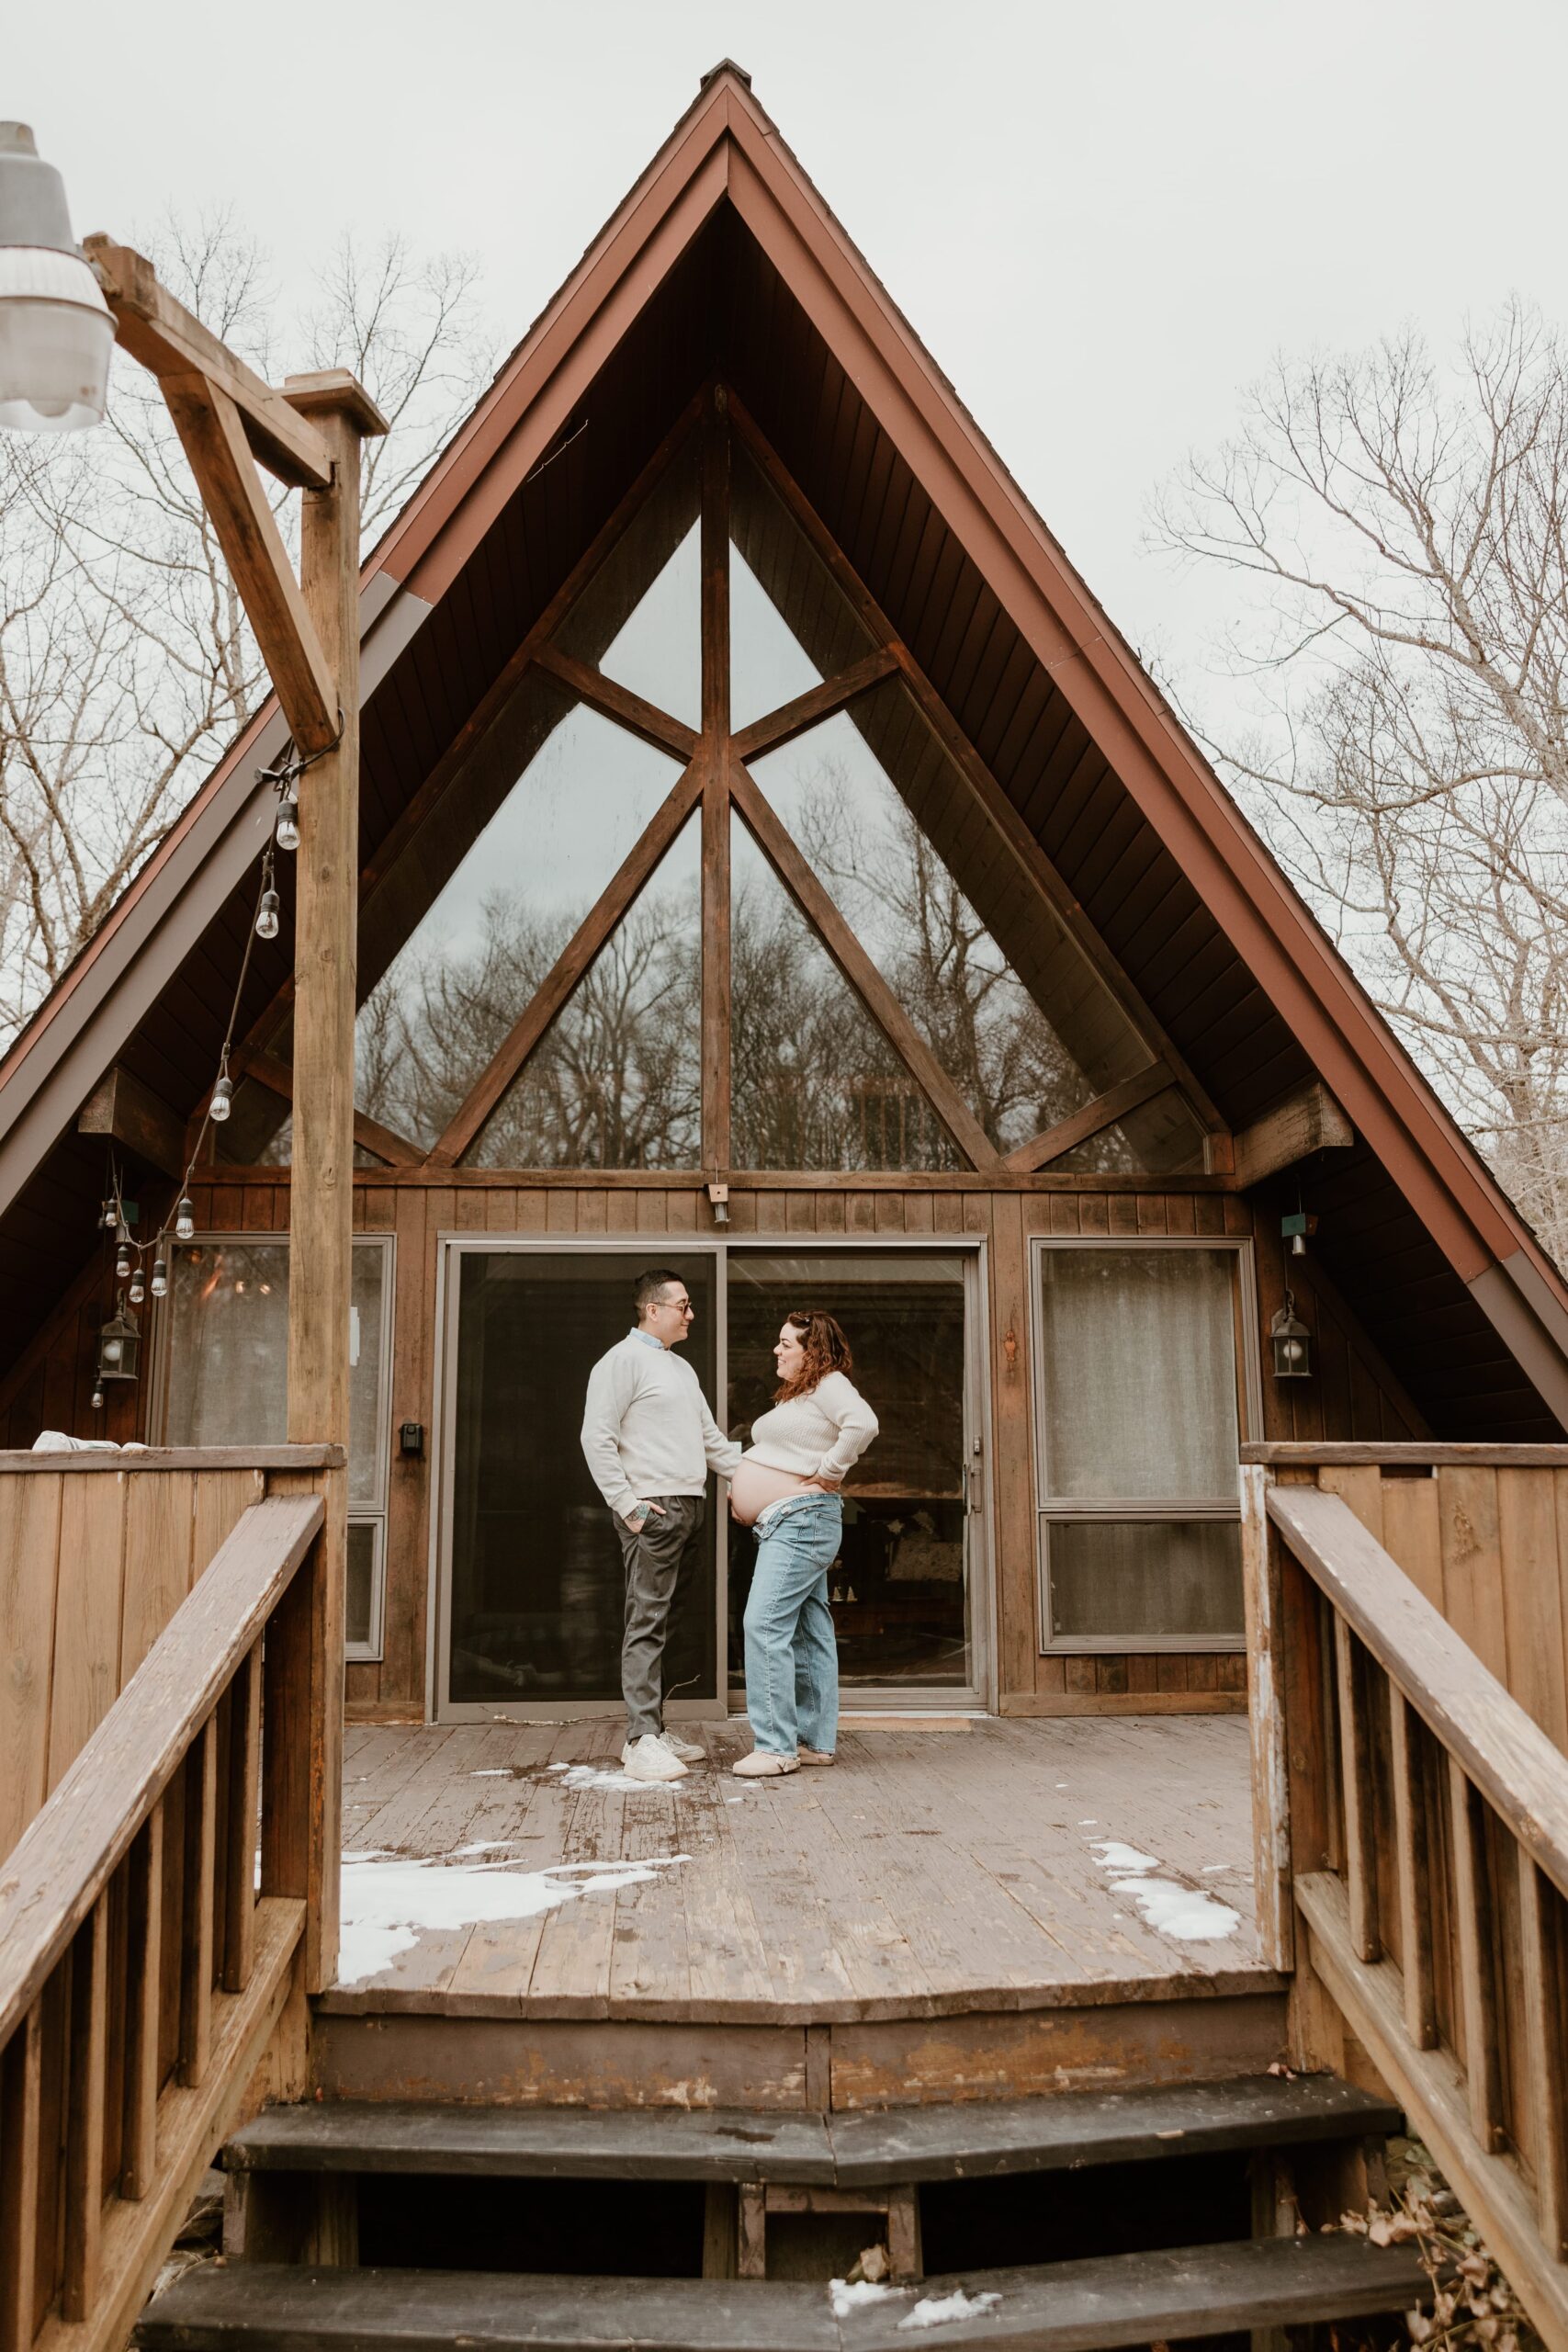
1138, 1407
1139, 1375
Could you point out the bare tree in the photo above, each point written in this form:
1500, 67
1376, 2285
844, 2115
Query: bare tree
1406, 644
126, 663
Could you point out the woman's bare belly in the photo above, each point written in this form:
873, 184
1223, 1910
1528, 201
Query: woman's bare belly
754, 1486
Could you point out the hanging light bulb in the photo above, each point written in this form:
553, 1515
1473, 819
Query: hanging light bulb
266, 915
97, 1400
122, 1258
184, 1221
160, 1278
138, 1287
222, 1100
109, 1216
286, 833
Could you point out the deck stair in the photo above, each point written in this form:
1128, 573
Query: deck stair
290, 2284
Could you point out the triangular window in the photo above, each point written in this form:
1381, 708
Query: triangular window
860, 794
638, 621
791, 626
814, 1082
479, 955
615, 1081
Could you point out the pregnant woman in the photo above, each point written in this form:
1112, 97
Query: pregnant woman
785, 1488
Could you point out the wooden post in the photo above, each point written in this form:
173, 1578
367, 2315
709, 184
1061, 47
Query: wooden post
322, 1190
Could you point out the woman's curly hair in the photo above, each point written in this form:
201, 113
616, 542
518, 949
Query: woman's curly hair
827, 1350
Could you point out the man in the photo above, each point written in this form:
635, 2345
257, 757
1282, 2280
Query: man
650, 1442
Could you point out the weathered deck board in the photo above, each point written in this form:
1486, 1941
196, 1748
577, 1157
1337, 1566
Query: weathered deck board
921, 1875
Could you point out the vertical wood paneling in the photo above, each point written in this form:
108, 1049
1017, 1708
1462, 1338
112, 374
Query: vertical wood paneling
92, 1572
159, 1513
29, 1554
1471, 1542
1532, 1596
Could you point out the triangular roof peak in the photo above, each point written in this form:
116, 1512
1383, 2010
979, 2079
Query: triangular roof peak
1037, 680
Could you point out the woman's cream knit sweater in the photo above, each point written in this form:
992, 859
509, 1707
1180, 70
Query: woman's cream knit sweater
821, 1434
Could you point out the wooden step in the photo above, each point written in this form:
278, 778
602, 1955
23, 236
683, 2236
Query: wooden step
1064, 2307
871, 2147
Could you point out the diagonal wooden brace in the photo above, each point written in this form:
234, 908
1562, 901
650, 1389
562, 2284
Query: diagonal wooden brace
209, 426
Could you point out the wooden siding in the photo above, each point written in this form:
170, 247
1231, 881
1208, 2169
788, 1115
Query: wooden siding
1353, 1395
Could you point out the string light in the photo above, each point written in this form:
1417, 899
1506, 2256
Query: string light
286, 833
115, 1215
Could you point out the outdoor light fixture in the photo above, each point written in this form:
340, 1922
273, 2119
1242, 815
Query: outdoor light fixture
56, 332
120, 1344
266, 915
222, 1100
160, 1278
286, 830
123, 1256
719, 1200
1291, 1343
184, 1221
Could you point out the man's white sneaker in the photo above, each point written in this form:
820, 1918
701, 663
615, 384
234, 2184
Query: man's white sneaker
687, 1749
648, 1758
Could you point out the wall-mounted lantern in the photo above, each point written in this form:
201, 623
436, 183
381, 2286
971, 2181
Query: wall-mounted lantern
1291, 1343
120, 1344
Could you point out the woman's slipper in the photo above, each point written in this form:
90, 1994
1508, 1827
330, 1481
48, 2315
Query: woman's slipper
763, 1765
815, 1755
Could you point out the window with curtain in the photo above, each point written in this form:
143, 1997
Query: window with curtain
224, 1348
1137, 1430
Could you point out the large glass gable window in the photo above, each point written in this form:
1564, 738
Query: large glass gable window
484, 949
652, 860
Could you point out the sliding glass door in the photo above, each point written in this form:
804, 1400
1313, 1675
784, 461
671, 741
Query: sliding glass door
901, 1589
529, 1574
533, 1573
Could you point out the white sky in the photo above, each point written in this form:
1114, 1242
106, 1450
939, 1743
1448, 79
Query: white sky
1102, 219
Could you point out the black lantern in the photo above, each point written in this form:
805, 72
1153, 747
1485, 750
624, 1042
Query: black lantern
120, 1344
1291, 1343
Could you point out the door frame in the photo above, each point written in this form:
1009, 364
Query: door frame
976, 1697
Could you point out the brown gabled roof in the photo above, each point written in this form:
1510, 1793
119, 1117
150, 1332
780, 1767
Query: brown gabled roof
724, 258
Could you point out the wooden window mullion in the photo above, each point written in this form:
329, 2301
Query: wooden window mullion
714, 755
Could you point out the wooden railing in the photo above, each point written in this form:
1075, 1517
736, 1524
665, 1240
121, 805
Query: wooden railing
96, 1553
147, 1952
1412, 1849
1481, 1530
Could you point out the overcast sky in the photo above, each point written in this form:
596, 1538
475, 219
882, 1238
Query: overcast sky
1102, 219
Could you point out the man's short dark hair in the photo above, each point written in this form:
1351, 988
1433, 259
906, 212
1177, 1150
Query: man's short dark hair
649, 1286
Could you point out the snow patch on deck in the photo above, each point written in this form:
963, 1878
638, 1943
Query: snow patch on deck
846, 2294
389, 1902
1185, 1912
942, 2311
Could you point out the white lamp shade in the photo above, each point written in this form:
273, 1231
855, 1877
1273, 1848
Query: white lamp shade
56, 335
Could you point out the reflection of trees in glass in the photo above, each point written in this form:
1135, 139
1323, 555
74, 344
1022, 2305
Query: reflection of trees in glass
814, 1082
940, 961
614, 1082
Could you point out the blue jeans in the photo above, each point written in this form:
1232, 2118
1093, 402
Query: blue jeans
792, 1652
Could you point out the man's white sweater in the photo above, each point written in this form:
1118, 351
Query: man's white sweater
645, 1427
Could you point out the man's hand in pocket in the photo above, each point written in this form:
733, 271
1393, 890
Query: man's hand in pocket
637, 1518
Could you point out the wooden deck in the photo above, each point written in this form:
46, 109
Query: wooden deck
931, 1872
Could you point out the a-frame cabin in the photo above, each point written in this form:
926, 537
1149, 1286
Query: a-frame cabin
775, 867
